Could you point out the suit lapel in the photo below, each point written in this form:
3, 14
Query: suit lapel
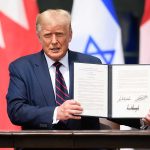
71, 74
44, 79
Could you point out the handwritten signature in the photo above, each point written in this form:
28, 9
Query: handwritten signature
123, 98
133, 107
138, 99
141, 98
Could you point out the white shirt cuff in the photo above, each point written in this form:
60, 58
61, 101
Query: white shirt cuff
55, 121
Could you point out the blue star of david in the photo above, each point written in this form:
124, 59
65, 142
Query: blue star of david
99, 52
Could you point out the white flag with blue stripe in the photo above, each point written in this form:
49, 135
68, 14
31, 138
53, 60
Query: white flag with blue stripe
96, 30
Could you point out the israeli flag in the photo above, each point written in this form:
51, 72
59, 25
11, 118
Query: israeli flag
96, 30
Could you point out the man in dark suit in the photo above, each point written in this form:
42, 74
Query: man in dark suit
32, 92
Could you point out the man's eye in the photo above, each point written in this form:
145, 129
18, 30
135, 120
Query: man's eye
59, 34
47, 35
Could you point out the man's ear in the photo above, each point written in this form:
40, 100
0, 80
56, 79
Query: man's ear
38, 35
70, 34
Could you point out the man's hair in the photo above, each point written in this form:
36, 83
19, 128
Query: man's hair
53, 13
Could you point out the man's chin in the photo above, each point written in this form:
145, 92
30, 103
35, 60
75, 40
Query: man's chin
56, 56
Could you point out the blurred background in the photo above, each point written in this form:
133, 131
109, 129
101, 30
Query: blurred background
113, 30
129, 13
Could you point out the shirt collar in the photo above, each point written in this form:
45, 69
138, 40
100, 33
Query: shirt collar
63, 60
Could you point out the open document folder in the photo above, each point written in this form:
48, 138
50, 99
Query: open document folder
113, 91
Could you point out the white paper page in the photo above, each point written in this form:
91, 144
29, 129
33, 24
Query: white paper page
90, 88
131, 91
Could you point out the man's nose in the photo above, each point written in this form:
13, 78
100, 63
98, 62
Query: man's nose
54, 39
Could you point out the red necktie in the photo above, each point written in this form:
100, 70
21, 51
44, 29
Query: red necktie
60, 86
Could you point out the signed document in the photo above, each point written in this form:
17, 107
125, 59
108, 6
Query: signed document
90, 88
113, 91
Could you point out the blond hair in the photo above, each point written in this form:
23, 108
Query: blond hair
59, 15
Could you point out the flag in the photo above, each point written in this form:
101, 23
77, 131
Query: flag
145, 35
96, 30
17, 38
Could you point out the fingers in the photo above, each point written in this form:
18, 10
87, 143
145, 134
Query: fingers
147, 122
147, 118
72, 105
70, 109
73, 102
76, 117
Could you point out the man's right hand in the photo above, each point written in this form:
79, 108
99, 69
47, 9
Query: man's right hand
70, 109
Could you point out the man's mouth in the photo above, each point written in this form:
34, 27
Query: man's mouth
55, 49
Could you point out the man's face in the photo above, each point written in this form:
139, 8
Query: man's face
55, 39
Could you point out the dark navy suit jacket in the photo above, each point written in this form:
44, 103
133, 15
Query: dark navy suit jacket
30, 97
31, 100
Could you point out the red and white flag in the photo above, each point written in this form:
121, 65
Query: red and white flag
17, 38
145, 35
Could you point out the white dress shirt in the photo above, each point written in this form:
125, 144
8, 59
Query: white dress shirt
64, 69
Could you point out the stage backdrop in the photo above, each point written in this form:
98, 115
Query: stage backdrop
96, 31
17, 38
145, 35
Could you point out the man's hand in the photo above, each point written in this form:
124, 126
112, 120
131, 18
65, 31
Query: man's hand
70, 109
147, 119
